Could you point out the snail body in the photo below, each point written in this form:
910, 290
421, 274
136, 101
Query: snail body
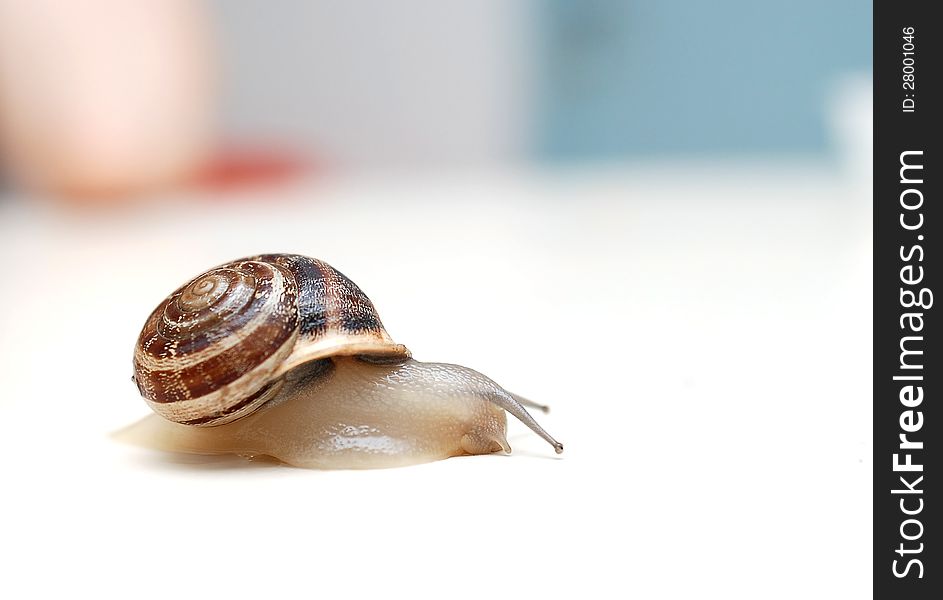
282, 355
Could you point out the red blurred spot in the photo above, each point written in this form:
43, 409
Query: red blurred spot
239, 168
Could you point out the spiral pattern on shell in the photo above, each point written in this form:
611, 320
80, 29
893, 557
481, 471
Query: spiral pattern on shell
215, 349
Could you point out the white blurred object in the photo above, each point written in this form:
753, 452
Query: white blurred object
103, 97
850, 109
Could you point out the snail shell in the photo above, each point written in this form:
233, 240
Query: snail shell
215, 350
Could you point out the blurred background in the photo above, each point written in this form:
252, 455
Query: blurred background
104, 98
652, 215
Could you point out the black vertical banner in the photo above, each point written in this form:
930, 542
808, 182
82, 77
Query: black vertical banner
908, 378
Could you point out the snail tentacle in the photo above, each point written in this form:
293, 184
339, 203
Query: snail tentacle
530, 403
457, 380
506, 400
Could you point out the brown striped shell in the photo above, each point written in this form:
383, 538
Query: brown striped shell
216, 349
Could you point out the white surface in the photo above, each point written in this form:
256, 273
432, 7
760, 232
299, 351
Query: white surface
703, 338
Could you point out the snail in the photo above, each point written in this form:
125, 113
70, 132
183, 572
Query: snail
281, 355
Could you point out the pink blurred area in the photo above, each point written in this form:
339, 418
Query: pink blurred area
106, 100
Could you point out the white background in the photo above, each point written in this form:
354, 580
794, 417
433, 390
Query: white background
702, 333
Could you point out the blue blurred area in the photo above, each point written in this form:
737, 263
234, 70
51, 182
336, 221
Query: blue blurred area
727, 77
